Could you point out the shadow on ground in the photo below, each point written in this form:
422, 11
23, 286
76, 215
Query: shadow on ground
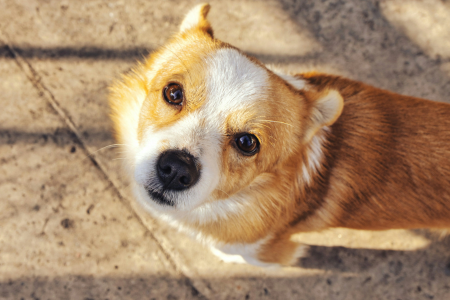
421, 274
358, 40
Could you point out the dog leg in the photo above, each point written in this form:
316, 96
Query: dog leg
281, 250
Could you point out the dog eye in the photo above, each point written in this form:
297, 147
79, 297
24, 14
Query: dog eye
247, 143
173, 94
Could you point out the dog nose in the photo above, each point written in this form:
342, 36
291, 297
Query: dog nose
177, 170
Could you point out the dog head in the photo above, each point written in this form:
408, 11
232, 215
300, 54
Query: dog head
211, 132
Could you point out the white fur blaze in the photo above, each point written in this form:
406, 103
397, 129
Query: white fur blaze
233, 82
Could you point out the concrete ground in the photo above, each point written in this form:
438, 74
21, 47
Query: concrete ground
69, 228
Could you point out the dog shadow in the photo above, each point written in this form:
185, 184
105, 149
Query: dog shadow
435, 256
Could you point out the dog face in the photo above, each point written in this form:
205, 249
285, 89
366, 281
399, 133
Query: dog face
208, 128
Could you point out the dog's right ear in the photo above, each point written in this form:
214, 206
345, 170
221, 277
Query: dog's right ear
326, 109
196, 19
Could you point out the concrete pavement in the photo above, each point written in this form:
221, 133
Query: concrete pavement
69, 228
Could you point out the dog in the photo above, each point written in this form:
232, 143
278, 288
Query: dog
241, 157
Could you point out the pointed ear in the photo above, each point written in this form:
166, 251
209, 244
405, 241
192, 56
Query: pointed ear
196, 18
326, 110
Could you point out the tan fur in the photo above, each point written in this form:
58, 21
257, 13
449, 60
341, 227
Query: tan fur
385, 159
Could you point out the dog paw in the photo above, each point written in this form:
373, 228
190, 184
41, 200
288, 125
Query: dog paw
228, 258
300, 252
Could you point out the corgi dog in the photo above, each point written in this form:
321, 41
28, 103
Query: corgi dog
242, 157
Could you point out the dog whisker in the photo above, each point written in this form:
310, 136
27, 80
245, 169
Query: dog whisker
104, 148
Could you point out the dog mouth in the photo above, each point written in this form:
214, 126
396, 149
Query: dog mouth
159, 197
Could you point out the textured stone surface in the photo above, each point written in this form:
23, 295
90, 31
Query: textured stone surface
64, 233
69, 228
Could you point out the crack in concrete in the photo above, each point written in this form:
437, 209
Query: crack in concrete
199, 288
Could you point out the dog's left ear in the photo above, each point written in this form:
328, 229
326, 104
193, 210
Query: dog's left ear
196, 19
325, 111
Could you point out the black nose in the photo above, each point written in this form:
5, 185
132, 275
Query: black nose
177, 170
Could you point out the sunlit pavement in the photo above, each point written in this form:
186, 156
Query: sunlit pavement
69, 228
